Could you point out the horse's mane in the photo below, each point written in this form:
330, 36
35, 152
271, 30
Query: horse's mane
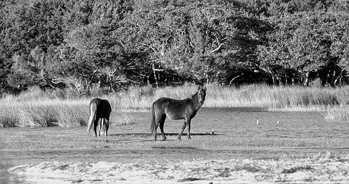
195, 94
195, 100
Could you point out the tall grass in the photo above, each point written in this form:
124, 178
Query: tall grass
44, 113
270, 97
36, 108
340, 113
141, 98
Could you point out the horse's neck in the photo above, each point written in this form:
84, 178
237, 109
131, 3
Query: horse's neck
196, 103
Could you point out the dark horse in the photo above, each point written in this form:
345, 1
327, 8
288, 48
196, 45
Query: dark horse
100, 112
176, 109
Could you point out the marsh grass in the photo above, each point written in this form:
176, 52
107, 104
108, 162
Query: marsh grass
37, 108
270, 97
43, 113
124, 119
72, 114
340, 113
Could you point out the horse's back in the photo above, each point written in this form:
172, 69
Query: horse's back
165, 102
171, 100
160, 104
173, 108
101, 106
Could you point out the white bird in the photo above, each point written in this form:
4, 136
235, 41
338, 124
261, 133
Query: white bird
257, 122
278, 122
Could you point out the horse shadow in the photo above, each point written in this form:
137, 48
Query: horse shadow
142, 137
141, 134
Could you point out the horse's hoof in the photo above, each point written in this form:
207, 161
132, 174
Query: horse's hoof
179, 137
164, 139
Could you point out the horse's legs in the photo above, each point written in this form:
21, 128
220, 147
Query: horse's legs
156, 126
162, 122
188, 123
183, 127
106, 126
95, 124
101, 125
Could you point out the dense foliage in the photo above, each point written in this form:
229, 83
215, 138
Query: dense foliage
79, 44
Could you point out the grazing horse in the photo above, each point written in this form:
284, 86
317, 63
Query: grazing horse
176, 109
100, 112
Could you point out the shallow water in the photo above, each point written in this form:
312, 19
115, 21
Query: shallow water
242, 122
236, 123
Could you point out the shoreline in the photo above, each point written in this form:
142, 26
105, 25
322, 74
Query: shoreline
322, 168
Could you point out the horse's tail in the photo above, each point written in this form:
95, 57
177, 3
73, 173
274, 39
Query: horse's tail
92, 117
152, 125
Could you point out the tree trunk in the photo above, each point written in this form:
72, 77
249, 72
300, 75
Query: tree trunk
306, 81
332, 82
155, 77
339, 78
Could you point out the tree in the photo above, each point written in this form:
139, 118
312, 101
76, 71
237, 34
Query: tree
306, 43
30, 29
90, 52
113, 44
200, 41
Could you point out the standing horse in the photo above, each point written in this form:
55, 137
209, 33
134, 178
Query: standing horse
176, 109
100, 112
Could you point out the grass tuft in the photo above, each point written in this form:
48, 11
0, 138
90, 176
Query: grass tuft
125, 119
340, 113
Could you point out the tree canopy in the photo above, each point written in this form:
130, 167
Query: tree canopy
113, 44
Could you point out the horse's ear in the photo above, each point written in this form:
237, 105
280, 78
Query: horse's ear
199, 88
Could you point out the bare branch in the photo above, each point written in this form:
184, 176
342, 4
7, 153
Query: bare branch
216, 49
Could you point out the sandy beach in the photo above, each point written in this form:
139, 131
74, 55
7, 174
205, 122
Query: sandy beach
323, 168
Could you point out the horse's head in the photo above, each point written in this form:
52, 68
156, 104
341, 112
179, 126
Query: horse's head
201, 94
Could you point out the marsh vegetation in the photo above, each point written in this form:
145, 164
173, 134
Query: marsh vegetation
37, 108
